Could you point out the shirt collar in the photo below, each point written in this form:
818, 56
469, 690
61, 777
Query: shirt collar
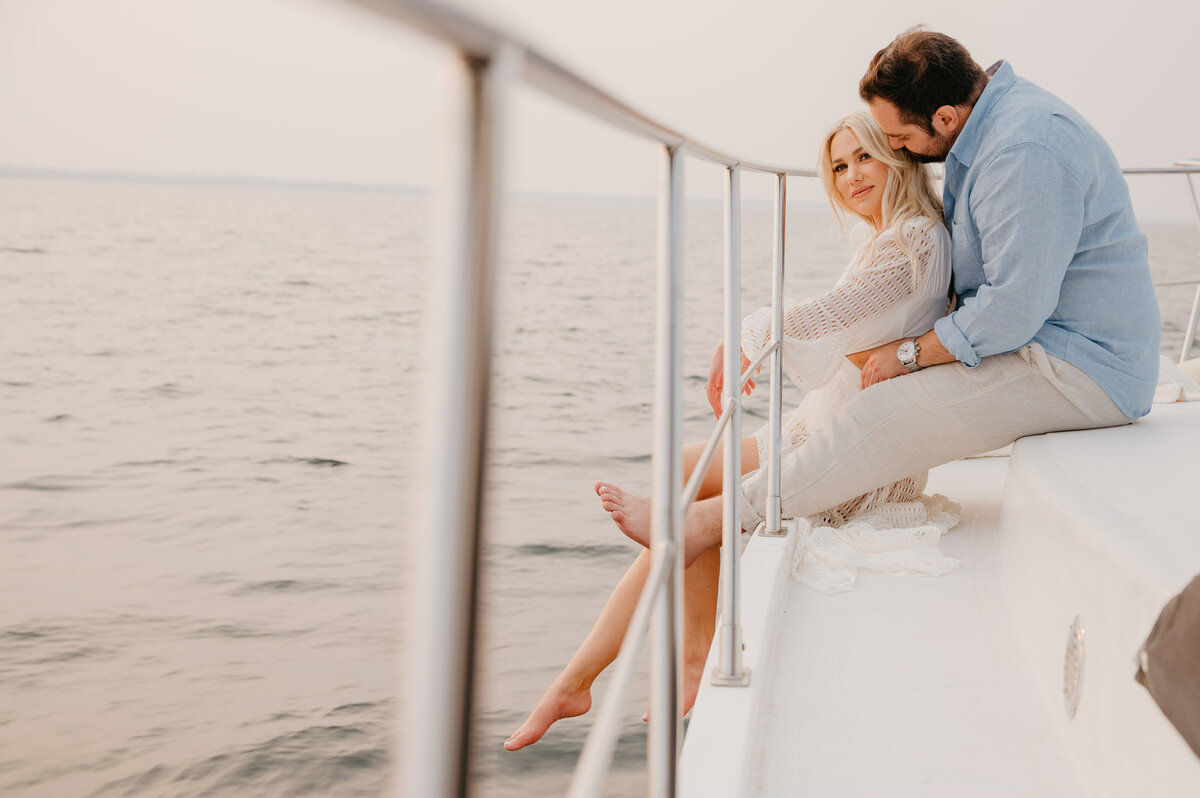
965, 146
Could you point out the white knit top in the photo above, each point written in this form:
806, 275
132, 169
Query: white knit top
882, 296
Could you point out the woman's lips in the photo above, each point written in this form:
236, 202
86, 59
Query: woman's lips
860, 192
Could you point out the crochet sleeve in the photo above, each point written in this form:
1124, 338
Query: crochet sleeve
857, 314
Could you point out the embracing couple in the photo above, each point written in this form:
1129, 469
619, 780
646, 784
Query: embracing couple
1052, 323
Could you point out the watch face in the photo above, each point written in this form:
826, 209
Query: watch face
905, 352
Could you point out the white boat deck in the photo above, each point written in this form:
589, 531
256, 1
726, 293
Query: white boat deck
931, 694
952, 685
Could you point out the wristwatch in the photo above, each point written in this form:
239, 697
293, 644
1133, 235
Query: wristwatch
907, 353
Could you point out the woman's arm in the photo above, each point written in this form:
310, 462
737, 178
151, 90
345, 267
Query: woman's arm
872, 304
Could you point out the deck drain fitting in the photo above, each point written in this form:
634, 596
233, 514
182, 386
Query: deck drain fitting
1073, 668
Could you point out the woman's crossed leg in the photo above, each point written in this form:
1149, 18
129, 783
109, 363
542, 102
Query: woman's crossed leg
571, 692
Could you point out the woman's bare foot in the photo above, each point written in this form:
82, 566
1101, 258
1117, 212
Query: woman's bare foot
631, 514
557, 703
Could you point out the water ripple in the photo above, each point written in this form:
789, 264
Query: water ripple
282, 586
352, 709
48, 483
231, 631
48, 644
317, 760
323, 462
587, 551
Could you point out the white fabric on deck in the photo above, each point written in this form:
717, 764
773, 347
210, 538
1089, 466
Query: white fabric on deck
895, 538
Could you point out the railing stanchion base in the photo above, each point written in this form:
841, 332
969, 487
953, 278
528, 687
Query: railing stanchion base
720, 680
774, 511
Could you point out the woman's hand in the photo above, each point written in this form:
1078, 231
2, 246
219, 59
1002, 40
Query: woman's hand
882, 364
716, 379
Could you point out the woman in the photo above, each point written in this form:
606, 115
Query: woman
896, 285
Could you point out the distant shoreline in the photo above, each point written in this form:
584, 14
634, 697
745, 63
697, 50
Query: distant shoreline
241, 181
235, 181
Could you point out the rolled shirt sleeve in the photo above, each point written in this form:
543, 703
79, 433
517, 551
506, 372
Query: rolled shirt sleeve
1027, 212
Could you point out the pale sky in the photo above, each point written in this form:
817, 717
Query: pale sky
316, 90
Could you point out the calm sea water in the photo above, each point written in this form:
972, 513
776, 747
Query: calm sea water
209, 400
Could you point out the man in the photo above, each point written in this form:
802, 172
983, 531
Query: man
1045, 242
1056, 328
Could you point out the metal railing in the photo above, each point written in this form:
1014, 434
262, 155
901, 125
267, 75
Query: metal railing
441, 665
1186, 168
441, 659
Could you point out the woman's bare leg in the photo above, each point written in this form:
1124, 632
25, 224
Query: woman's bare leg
702, 577
570, 694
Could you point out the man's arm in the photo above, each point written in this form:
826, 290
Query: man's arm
1027, 210
1029, 213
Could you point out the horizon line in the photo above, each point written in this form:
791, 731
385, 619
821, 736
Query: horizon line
290, 184
254, 181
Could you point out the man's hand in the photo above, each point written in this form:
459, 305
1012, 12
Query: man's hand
716, 379
882, 364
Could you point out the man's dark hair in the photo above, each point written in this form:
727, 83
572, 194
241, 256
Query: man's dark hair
919, 72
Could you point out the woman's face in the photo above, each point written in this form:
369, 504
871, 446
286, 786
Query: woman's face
859, 178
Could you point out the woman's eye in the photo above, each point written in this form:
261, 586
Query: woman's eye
839, 168
866, 156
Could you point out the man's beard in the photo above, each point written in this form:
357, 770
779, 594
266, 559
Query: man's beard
941, 148
922, 158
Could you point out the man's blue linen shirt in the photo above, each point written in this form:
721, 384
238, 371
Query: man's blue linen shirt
1045, 245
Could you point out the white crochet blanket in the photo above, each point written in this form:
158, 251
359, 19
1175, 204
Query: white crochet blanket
897, 538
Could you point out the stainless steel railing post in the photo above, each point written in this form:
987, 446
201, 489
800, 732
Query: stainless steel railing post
772, 520
729, 670
438, 675
1189, 332
666, 679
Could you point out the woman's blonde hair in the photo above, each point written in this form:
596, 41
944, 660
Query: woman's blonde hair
909, 193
